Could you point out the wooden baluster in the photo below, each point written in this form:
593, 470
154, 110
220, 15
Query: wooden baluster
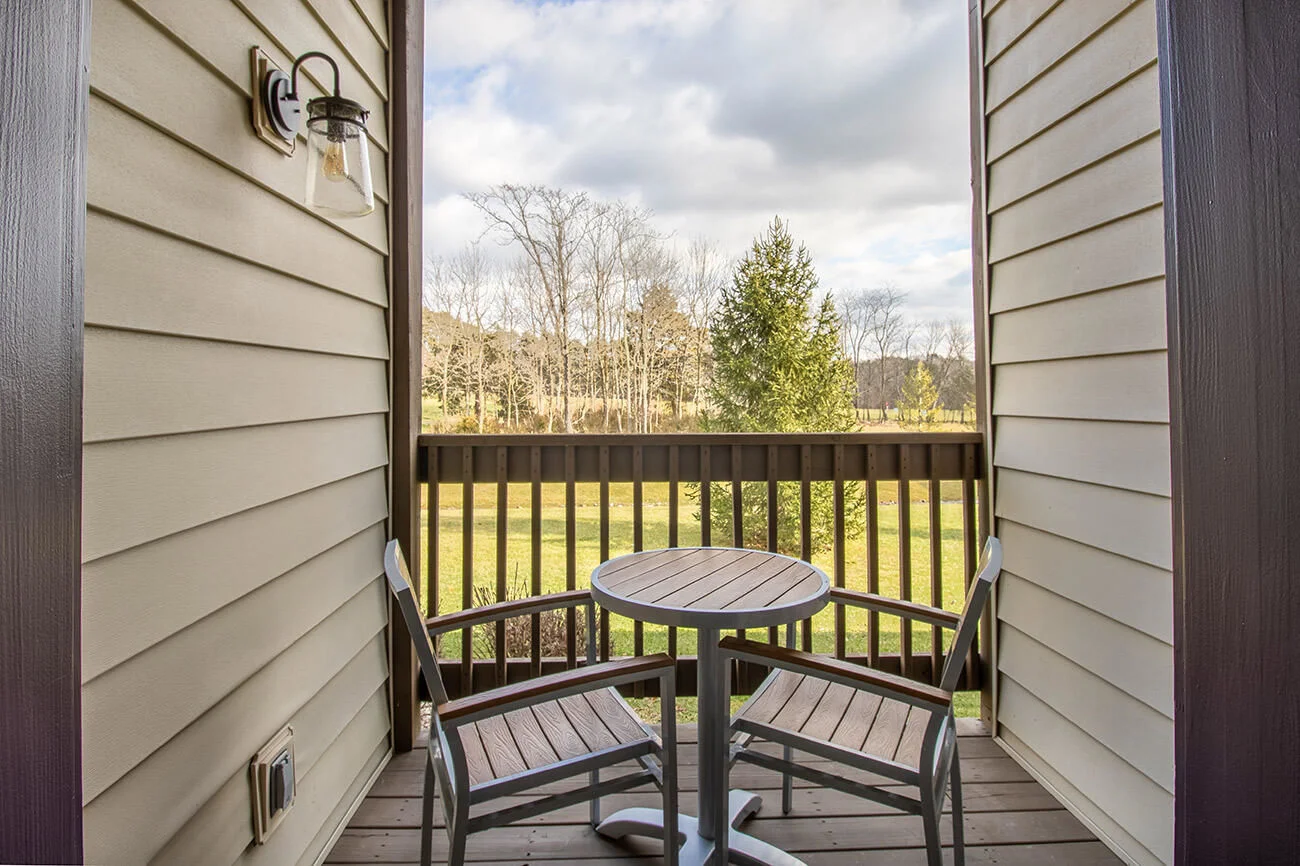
432, 541
674, 472
838, 494
638, 538
773, 540
467, 565
738, 534
805, 525
570, 557
502, 529
969, 549
873, 556
936, 567
604, 544
706, 497
905, 556
535, 477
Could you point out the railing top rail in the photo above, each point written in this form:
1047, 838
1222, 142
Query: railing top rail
882, 438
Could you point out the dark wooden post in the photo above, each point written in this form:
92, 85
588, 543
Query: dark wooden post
406, 112
1230, 106
42, 254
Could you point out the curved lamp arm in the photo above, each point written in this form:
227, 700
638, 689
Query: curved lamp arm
293, 74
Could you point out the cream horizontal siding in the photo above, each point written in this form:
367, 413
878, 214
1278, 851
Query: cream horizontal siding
236, 438
1080, 405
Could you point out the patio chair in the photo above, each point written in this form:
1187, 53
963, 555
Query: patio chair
515, 738
863, 718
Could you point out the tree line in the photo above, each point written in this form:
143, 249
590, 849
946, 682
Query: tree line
597, 322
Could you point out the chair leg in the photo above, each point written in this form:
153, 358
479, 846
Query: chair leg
668, 767
595, 801
958, 828
787, 784
457, 835
930, 818
426, 817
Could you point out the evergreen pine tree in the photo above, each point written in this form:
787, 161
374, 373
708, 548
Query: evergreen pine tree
779, 368
918, 404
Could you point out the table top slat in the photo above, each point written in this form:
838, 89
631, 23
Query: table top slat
710, 587
694, 594
756, 577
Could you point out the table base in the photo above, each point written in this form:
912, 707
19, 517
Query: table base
696, 850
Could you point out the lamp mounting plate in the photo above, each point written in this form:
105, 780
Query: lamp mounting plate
275, 116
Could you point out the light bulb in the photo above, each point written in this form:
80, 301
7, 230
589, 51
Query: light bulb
334, 162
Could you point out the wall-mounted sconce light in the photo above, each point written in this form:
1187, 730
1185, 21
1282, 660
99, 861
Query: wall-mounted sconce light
338, 155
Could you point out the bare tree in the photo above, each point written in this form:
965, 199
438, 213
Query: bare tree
705, 274
549, 226
471, 276
886, 331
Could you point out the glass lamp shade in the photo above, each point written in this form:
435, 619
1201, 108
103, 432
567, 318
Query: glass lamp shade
338, 158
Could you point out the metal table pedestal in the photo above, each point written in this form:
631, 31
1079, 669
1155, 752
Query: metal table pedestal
713, 832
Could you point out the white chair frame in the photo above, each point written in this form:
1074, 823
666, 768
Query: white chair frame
938, 766
446, 767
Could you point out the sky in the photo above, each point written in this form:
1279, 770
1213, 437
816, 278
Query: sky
848, 118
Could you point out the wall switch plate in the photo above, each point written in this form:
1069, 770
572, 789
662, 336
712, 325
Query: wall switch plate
272, 777
262, 126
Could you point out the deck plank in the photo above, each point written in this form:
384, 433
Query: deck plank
1011, 820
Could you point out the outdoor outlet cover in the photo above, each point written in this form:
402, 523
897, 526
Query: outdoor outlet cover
272, 778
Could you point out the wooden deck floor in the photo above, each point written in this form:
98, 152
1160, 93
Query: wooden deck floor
1010, 820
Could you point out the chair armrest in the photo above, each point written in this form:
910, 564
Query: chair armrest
896, 607
506, 610
827, 668
540, 689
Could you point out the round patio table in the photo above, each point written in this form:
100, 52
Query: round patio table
709, 589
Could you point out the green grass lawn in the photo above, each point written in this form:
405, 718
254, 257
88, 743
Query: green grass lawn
518, 558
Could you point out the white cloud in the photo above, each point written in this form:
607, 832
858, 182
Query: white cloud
848, 117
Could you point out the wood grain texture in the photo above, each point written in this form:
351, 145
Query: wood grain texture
1111, 322
1123, 48
1122, 455
1123, 589
1232, 170
42, 229
134, 599
140, 490
815, 664
127, 716
650, 666
1130, 806
141, 385
1126, 251
406, 282
1127, 659
1129, 728
143, 280
318, 684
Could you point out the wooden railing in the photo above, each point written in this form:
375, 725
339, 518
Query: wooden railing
925, 487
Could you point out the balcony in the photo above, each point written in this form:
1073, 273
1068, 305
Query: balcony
545, 509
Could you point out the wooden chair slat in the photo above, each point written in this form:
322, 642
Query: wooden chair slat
858, 719
774, 696
887, 729
502, 751
559, 731
616, 715
476, 760
908, 752
829, 712
587, 724
533, 745
801, 704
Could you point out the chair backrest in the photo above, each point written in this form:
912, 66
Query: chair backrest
399, 581
990, 566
